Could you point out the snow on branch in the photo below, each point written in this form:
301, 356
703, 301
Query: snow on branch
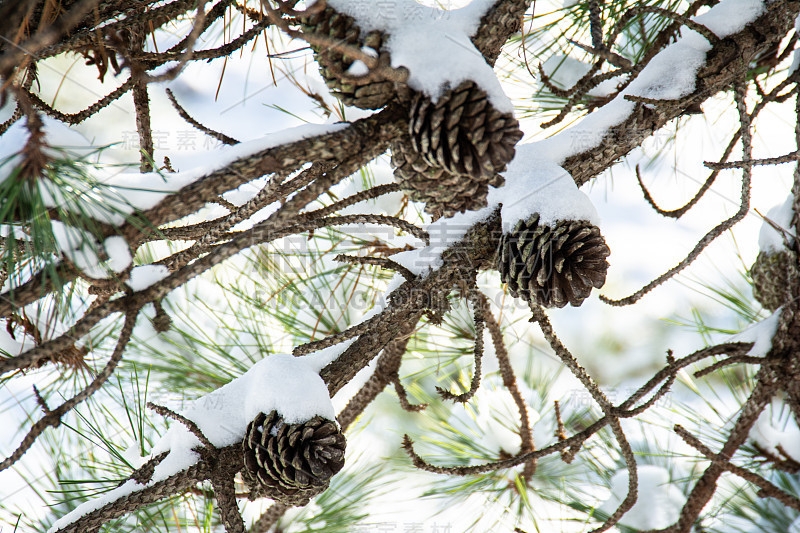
280, 382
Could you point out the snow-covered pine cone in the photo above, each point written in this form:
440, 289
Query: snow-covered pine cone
553, 266
773, 275
291, 463
358, 91
443, 193
463, 132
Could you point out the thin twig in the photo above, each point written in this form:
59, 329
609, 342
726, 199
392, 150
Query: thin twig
80, 116
510, 383
190, 425
186, 56
269, 518
480, 323
369, 194
720, 228
766, 487
736, 359
383, 262
579, 438
205, 129
788, 158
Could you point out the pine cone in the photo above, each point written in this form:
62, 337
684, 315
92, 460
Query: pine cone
463, 132
444, 194
774, 275
358, 91
291, 463
553, 266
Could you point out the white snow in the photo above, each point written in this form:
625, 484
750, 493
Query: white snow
669, 75
322, 358
659, 501
796, 54
62, 141
771, 240
80, 247
433, 44
535, 184
145, 276
776, 427
358, 68
118, 252
280, 382
143, 191
795, 527
119, 194
133, 454
760, 334
730, 16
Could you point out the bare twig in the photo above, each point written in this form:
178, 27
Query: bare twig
369, 194
383, 262
77, 118
190, 425
788, 158
480, 322
188, 118
268, 518
736, 359
720, 228
767, 488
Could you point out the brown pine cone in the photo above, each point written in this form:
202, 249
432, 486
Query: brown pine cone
443, 193
358, 91
773, 275
553, 266
463, 132
291, 463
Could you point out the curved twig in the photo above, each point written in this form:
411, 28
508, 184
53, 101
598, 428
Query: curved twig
720, 228
190, 425
475, 382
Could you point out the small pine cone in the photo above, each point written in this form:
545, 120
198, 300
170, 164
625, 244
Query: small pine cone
443, 193
463, 132
774, 275
291, 463
358, 91
553, 266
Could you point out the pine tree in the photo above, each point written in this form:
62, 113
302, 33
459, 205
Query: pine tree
180, 305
